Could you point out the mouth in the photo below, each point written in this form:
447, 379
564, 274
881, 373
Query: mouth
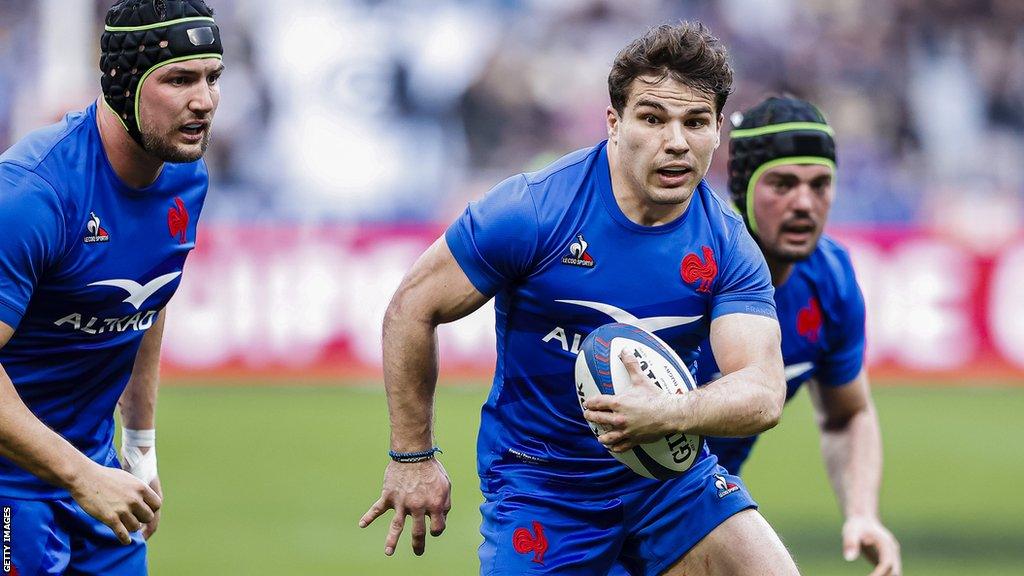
673, 175
799, 231
193, 130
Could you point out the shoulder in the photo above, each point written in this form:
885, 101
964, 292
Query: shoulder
565, 170
50, 144
725, 223
831, 261
831, 270
546, 196
555, 186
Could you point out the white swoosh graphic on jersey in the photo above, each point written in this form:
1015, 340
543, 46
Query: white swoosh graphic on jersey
792, 371
137, 293
652, 324
795, 370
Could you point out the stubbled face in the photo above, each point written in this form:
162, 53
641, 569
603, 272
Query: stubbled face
664, 139
791, 205
176, 109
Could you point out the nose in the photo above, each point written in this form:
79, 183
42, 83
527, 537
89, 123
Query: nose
203, 99
676, 143
803, 200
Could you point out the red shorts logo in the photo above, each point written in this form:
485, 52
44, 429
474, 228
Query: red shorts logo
524, 542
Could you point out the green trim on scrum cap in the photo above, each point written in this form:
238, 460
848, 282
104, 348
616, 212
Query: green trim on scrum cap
751, 218
784, 127
138, 90
157, 25
114, 112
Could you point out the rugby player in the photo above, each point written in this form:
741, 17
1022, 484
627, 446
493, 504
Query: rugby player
781, 177
600, 235
99, 212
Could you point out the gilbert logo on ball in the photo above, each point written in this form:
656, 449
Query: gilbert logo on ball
599, 371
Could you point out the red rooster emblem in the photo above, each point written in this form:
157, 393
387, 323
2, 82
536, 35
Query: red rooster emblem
524, 542
693, 269
808, 320
177, 220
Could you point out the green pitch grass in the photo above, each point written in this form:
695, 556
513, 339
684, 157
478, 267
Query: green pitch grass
272, 481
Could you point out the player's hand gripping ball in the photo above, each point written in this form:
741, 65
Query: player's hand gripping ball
600, 371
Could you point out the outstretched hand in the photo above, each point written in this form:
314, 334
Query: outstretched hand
419, 490
637, 416
875, 541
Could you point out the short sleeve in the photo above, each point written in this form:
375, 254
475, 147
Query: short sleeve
844, 357
495, 239
32, 224
744, 283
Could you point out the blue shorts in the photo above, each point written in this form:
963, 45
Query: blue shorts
645, 531
58, 537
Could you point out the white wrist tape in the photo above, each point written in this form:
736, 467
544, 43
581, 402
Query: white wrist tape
139, 464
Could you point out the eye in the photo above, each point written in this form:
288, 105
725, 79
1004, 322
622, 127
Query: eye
177, 81
651, 119
213, 79
696, 123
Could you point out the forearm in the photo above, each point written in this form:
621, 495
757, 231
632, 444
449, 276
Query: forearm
852, 451
138, 401
410, 377
30, 444
743, 403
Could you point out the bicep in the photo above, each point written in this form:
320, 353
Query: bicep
436, 290
835, 405
742, 340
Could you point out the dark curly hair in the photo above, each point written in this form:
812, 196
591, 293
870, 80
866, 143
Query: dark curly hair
686, 51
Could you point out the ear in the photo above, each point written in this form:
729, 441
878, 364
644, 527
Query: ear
612, 123
718, 133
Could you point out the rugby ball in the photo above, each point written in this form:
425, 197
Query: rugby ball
600, 371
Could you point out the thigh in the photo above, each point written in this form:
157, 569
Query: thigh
667, 521
743, 544
529, 534
96, 551
33, 541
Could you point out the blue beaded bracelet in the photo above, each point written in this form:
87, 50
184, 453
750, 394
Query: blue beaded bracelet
410, 457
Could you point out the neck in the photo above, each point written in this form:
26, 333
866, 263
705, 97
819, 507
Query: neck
632, 202
133, 165
779, 269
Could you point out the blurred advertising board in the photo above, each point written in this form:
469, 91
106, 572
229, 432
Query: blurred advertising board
299, 302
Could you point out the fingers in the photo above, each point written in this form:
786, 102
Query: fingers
122, 533
438, 521
607, 419
851, 546
378, 508
151, 526
129, 521
877, 546
151, 498
631, 364
886, 556
397, 525
419, 534
602, 402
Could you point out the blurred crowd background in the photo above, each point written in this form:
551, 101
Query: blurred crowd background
402, 110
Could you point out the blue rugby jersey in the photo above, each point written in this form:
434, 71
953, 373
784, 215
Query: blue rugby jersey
821, 313
561, 259
86, 265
